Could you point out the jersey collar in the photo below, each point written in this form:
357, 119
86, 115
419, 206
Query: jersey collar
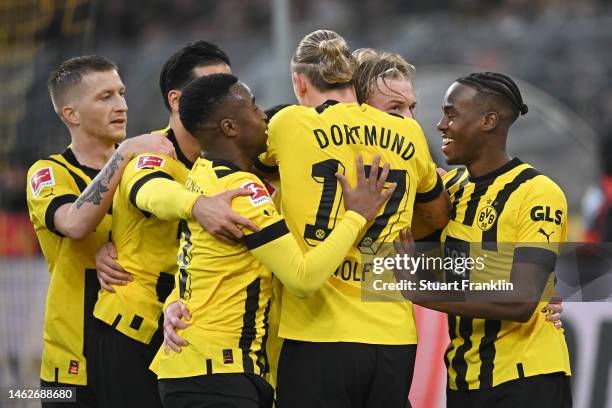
179, 153
496, 173
69, 156
325, 105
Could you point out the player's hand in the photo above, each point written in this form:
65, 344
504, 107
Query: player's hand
215, 214
441, 172
554, 310
147, 143
173, 315
369, 194
404, 246
108, 269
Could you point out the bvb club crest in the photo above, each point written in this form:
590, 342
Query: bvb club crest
486, 217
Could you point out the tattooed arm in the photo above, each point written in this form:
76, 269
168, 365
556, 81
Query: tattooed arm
78, 219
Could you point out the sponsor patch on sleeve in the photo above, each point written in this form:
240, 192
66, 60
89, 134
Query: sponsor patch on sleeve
272, 189
145, 162
259, 194
41, 179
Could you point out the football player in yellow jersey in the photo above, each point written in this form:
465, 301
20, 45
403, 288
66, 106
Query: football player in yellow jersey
150, 202
343, 348
227, 288
502, 354
69, 195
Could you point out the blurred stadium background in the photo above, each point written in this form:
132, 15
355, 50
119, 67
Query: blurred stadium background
558, 49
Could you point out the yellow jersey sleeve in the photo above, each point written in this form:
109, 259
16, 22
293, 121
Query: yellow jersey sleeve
275, 247
49, 187
430, 184
280, 131
152, 188
542, 223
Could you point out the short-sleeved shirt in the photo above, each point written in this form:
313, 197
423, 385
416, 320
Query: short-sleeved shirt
73, 288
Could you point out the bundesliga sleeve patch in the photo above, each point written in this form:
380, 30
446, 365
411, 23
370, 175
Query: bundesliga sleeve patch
270, 187
41, 179
259, 194
145, 162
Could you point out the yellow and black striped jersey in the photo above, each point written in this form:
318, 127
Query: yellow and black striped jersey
228, 287
73, 287
516, 205
309, 145
145, 231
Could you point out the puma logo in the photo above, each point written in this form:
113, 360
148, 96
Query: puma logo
541, 231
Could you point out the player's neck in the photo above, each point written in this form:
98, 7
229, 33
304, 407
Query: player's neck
187, 143
487, 163
346, 95
92, 151
230, 153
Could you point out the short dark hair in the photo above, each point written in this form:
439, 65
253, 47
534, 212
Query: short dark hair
498, 86
177, 72
71, 73
273, 110
202, 97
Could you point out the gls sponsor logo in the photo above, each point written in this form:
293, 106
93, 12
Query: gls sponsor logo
544, 213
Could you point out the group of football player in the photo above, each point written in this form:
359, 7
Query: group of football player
198, 266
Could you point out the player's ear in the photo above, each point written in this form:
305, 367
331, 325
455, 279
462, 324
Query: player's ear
490, 120
173, 99
70, 115
229, 127
299, 84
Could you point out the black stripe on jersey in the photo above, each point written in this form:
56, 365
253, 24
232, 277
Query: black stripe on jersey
209, 369
455, 178
520, 371
68, 154
90, 297
452, 333
136, 322
80, 182
164, 285
141, 182
321, 108
489, 238
116, 321
459, 363
184, 261
480, 188
487, 352
227, 167
179, 153
249, 331
539, 256
268, 234
262, 355
457, 198
265, 168
56, 203
431, 194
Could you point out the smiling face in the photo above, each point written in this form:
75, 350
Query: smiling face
462, 136
99, 107
394, 95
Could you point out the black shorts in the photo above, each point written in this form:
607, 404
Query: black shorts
344, 375
542, 391
84, 396
234, 390
120, 368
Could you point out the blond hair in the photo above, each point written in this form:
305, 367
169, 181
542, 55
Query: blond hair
371, 65
325, 58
